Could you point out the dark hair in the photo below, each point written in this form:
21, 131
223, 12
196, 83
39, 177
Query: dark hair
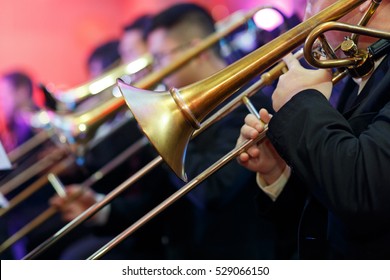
107, 53
20, 79
186, 15
141, 23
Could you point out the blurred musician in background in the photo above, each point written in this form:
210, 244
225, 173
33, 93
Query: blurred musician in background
16, 109
218, 220
135, 202
223, 223
132, 44
103, 57
337, 158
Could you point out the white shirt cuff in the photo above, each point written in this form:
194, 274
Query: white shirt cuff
274, 190
3, 201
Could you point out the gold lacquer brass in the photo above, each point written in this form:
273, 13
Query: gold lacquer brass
169, 127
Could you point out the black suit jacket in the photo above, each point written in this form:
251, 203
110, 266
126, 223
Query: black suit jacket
342, 161
225, 223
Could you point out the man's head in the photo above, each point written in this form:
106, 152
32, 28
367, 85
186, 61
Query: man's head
103, 57
16, 93
132, 44
176, 29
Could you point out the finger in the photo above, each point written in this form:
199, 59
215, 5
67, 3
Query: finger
328, 73
291, 61
247, 133
68, 217
73, 190
253, 151
253, 122
243, 158
56, 201
265, 116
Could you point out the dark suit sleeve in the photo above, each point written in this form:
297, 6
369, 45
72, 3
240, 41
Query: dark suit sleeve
291, 200
343, 171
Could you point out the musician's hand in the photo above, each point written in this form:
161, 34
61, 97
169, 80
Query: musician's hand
261, 158
77, 200
298, 78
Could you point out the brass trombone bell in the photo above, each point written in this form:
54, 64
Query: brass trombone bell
265, 79
169, 119
79, 127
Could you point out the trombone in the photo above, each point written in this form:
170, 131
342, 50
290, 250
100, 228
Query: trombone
23, 157
183, 103
62, 165
82, 125
219, 87
13, 181
56, 163
67, 100
95, 177
29, 145
70, 98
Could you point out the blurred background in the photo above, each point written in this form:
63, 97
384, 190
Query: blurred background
51, 39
